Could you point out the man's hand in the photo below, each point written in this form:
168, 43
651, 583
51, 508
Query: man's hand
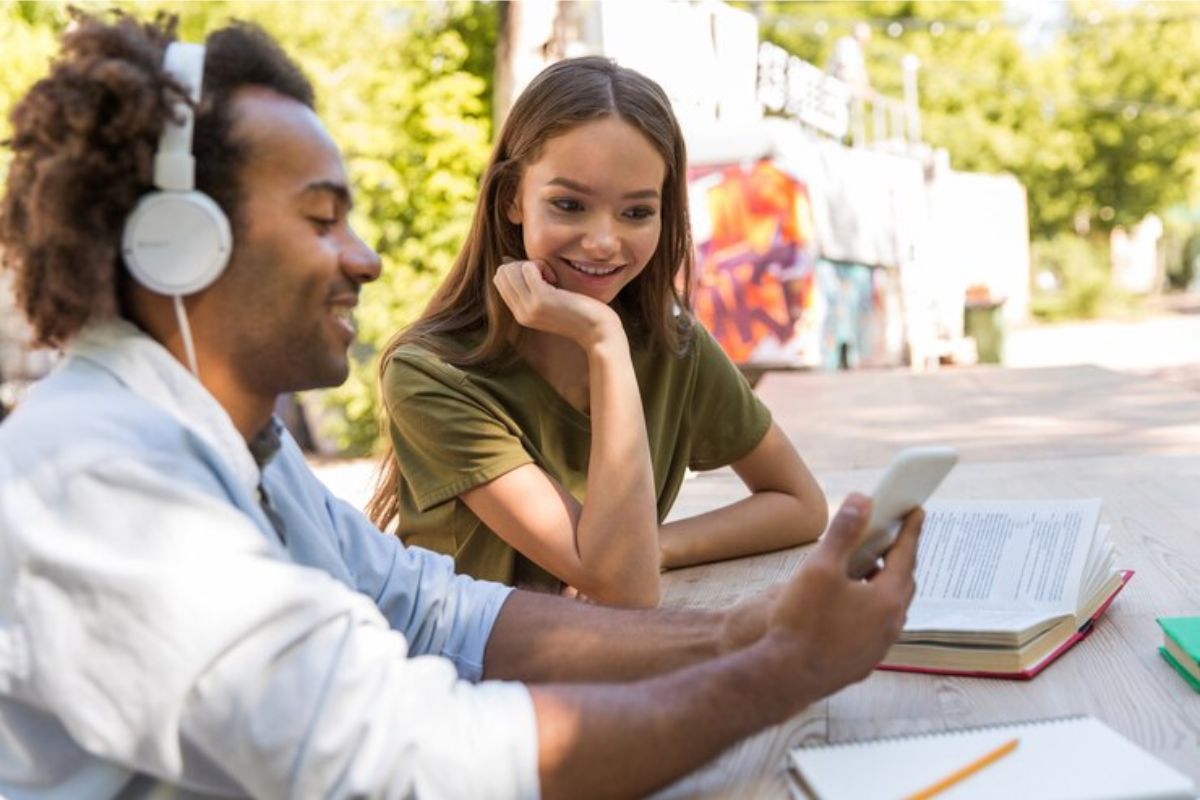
829, 630
528, 289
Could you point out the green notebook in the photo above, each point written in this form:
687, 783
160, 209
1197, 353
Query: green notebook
1181, 647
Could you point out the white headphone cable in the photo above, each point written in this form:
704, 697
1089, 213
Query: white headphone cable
185, 331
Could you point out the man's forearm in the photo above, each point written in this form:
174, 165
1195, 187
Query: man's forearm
800, 641
541, 638
628, 740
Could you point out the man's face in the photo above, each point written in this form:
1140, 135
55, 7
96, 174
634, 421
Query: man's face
282, 311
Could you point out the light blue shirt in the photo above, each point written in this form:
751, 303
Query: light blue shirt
159, 637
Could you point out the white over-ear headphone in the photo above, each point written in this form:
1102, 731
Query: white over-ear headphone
177, 240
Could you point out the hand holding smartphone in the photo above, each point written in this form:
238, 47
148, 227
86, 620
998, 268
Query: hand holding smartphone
907, 483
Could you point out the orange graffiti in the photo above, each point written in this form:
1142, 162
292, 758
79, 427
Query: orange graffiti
754, 276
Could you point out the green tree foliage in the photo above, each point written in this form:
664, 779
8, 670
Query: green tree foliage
1135, 75
28, 39
981, 97
404, 88
1100, 124
1079, 265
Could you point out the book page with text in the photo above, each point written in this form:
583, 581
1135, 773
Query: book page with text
987, 564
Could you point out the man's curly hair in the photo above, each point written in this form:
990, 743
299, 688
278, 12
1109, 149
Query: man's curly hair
83, 142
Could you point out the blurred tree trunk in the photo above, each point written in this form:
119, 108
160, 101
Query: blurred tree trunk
532, 35
502, 84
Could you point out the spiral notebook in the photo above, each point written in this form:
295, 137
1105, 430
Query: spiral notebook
1072, 758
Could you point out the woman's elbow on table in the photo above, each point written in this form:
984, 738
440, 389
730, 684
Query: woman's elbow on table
644, 592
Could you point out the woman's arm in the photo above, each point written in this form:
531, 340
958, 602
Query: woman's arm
608, 547
786, 508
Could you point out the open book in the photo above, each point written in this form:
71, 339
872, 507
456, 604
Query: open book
1073, 758
1005, 587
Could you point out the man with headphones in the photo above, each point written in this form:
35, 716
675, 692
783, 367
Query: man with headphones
184, 609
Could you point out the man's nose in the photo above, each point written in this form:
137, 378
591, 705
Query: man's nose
360, 262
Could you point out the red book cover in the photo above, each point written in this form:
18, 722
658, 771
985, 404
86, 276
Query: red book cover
1034, 669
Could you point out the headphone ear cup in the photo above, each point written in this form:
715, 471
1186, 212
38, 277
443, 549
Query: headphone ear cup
176, 243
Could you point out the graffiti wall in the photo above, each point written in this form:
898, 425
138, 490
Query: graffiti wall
861, 325
792, 273
756, 286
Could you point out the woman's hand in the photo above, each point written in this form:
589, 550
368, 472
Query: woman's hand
528, 289
572, 593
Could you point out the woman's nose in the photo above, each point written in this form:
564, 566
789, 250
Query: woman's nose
601, 240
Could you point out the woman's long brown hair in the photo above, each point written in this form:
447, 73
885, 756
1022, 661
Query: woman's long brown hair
655, 305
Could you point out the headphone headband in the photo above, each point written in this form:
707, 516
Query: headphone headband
174, 166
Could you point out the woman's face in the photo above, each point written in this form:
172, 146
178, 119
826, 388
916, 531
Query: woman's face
590, 206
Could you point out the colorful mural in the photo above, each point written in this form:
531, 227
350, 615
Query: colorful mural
755, 285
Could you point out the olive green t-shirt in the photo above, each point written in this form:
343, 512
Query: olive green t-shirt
456, 428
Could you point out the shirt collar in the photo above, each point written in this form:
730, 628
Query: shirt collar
266, 443
150, 371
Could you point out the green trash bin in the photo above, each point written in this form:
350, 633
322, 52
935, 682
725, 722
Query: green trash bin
983, 321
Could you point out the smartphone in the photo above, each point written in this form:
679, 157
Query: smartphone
907, 483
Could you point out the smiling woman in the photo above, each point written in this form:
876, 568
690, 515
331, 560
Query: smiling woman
544, 409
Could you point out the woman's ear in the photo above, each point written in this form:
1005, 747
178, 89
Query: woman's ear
513, 211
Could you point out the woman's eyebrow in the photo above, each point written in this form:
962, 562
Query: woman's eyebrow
575, 186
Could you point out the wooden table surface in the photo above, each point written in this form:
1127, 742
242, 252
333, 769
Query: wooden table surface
859, 419
1045, 433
